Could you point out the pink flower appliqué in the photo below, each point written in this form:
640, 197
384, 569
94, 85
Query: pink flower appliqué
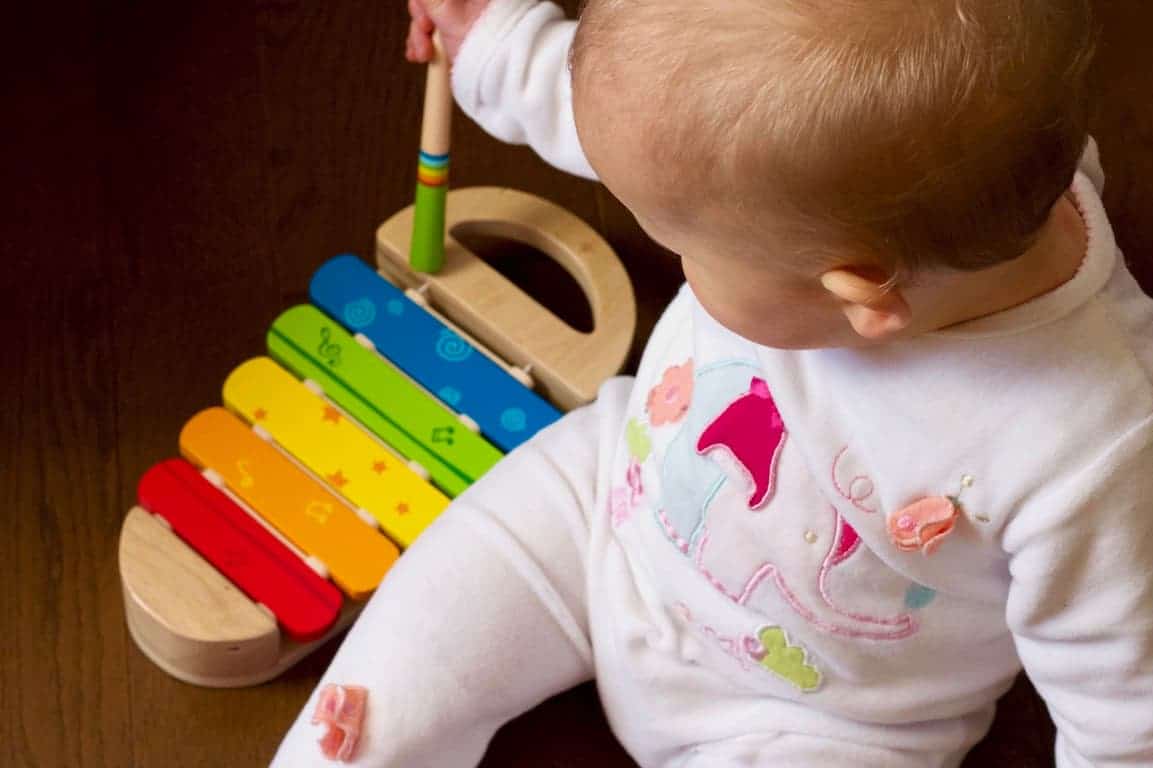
341, 709
668, 401
924, 524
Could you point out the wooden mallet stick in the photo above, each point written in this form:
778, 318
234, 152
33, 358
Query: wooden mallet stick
427, 252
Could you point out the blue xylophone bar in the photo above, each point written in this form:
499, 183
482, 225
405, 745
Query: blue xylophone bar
428, 351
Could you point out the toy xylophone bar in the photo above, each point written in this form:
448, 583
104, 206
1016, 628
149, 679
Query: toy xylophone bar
263, 568
317, 521
431, 353
351, 461
381, 397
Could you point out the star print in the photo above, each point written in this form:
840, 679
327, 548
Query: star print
379, 467
260, 414
331, 414
338, 479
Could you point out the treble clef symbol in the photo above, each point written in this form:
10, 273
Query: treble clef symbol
329, 351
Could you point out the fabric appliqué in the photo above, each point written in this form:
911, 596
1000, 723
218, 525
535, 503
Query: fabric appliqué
923, 525
829, 617
751, 430
341, 709
768, 650
638, 440
669, 400
775, 653
918, 596
762, 561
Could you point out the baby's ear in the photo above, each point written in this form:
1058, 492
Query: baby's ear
875, 310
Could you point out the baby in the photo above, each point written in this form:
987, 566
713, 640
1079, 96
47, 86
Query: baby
891, 443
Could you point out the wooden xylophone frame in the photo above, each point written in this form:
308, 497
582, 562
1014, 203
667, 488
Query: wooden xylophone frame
196, 625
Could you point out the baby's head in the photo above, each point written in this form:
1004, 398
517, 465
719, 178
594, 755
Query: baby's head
768, 142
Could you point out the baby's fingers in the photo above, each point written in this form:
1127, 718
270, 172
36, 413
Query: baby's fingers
416, 9
418, 47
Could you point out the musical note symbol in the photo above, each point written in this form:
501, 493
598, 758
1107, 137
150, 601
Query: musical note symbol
319, 511
443, 435
329, 351
246, 478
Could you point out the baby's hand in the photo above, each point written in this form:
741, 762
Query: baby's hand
452, 18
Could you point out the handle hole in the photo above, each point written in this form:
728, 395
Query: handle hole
532, 270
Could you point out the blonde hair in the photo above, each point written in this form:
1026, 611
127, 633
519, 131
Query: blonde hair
917, 133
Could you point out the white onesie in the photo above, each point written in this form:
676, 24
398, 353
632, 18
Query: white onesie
789, 558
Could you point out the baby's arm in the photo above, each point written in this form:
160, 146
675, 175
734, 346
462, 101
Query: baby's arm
1081, 605
510, 72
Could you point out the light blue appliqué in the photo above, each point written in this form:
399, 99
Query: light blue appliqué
918, 596
689, 481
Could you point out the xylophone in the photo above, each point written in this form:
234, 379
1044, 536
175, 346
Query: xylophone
376, 404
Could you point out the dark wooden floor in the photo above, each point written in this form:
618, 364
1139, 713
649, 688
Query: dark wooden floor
172, 173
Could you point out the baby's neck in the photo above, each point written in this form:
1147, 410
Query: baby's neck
1051, 262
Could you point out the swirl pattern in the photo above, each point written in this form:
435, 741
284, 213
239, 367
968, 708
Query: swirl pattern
360, 313
452, 348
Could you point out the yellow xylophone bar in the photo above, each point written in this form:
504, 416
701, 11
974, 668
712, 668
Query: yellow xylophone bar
320, 435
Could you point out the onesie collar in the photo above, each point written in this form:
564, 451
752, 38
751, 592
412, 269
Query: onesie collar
1094, 272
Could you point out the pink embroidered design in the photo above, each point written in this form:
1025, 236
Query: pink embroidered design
846, 543
622, 501
923, 524
730, 646
341, 709
669, 400
752, 431
671, 532
860, 488
619, 509
771, 651
636, 487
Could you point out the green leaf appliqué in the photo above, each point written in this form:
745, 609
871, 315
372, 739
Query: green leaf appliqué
787, 661
637, 436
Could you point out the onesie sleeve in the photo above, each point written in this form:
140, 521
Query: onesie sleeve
1081, 605
512, 77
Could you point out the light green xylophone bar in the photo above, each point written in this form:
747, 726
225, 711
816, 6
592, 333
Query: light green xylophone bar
381, 398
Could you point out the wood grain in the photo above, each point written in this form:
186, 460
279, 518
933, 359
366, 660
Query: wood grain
172, 175
568, 366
